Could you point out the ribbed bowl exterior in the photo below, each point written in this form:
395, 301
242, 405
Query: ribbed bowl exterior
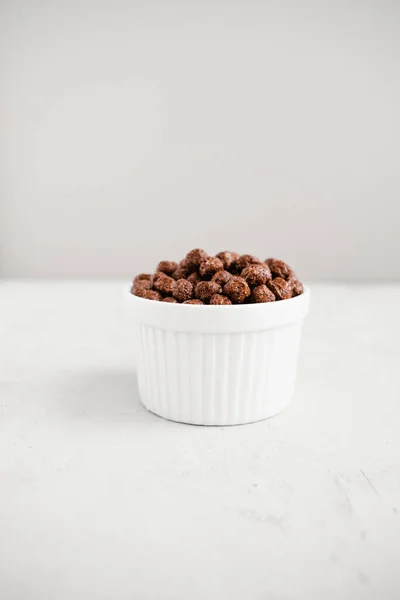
221, 378
216, 379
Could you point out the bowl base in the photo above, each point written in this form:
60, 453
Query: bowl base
250, 422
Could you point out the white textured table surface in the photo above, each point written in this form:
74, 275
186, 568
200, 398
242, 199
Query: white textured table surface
101, 500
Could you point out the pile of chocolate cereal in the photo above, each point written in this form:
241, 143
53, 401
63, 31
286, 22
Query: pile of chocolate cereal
226, 278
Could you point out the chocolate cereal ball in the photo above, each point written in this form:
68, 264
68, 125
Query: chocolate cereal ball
221, 277
194, 258
219, 299
183, 290
245, 260
279, 268
164, 284
194, 278
237, 290
205, 289
297, 286
156, 275
256, 274
182, 271
210, 265
141, 286
270, 260
143, 277
167, 267
170, 299
152, 295
194, 301
262, 294
228, 258
281, 288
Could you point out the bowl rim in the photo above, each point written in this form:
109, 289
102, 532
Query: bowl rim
218, 319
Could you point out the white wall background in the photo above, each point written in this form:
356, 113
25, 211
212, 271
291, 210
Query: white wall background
134, 131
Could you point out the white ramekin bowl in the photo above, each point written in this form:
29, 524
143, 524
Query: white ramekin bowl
218, 365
